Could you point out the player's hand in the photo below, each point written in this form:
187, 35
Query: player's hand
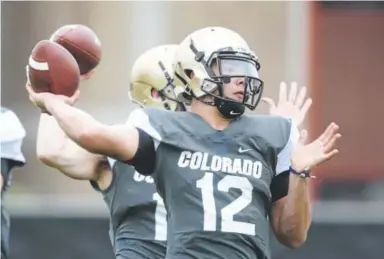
306, 156
40, 99
88, 75
292, 105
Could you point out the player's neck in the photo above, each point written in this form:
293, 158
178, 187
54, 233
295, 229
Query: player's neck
210, 114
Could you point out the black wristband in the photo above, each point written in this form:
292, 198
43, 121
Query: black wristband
304, 174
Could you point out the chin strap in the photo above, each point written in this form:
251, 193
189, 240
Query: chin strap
229, 109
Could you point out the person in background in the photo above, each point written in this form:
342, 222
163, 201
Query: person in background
138, 222
12, 135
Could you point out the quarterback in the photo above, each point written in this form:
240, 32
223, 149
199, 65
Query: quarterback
225, 177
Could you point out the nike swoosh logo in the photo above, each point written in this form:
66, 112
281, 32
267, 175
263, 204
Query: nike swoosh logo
241, 150
234, 113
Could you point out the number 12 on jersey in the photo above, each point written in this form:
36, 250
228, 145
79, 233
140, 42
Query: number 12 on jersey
228, 224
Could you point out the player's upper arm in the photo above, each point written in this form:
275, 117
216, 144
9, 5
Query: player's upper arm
74, 161
280, 182
133, 142
148, 140
116, 141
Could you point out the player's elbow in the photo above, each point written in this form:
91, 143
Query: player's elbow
291, 237
294, 241
48, 157
297, 242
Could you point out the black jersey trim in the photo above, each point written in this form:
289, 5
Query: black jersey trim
145, 156
97, 188
279, 186
94, 183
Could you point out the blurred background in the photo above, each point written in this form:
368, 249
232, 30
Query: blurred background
335, 48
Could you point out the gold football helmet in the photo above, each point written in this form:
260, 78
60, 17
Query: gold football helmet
152, 79
233, 58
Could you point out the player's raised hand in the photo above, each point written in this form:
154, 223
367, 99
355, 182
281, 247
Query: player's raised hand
306, 156
39, 99
88, 75
290, 105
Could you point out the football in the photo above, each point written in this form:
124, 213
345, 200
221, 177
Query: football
82, 42
51, 68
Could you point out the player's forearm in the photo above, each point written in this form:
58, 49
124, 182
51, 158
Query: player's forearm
76, 124
51, 139
296, 215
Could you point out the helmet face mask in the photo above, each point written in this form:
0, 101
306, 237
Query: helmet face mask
213, 61
168, 90
225, 66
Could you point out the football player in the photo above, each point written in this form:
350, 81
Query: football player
223, 175
12, 136
137, 213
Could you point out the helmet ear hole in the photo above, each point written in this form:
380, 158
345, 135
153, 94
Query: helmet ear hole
155, 93
187, 96
166, 106
189, 73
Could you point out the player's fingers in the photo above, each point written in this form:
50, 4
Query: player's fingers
334, 128
331, 144
27, 84
301, 96
283, 93
292, 93
327, 134
304, 110
31, 99
75, 96
29, 89
330, 155
271, 104
32, 94
303, 137
89, 74
85, 77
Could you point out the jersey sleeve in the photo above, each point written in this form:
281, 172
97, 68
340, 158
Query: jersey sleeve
149, 139
284, 156
12, 135
280, 183
139, 118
